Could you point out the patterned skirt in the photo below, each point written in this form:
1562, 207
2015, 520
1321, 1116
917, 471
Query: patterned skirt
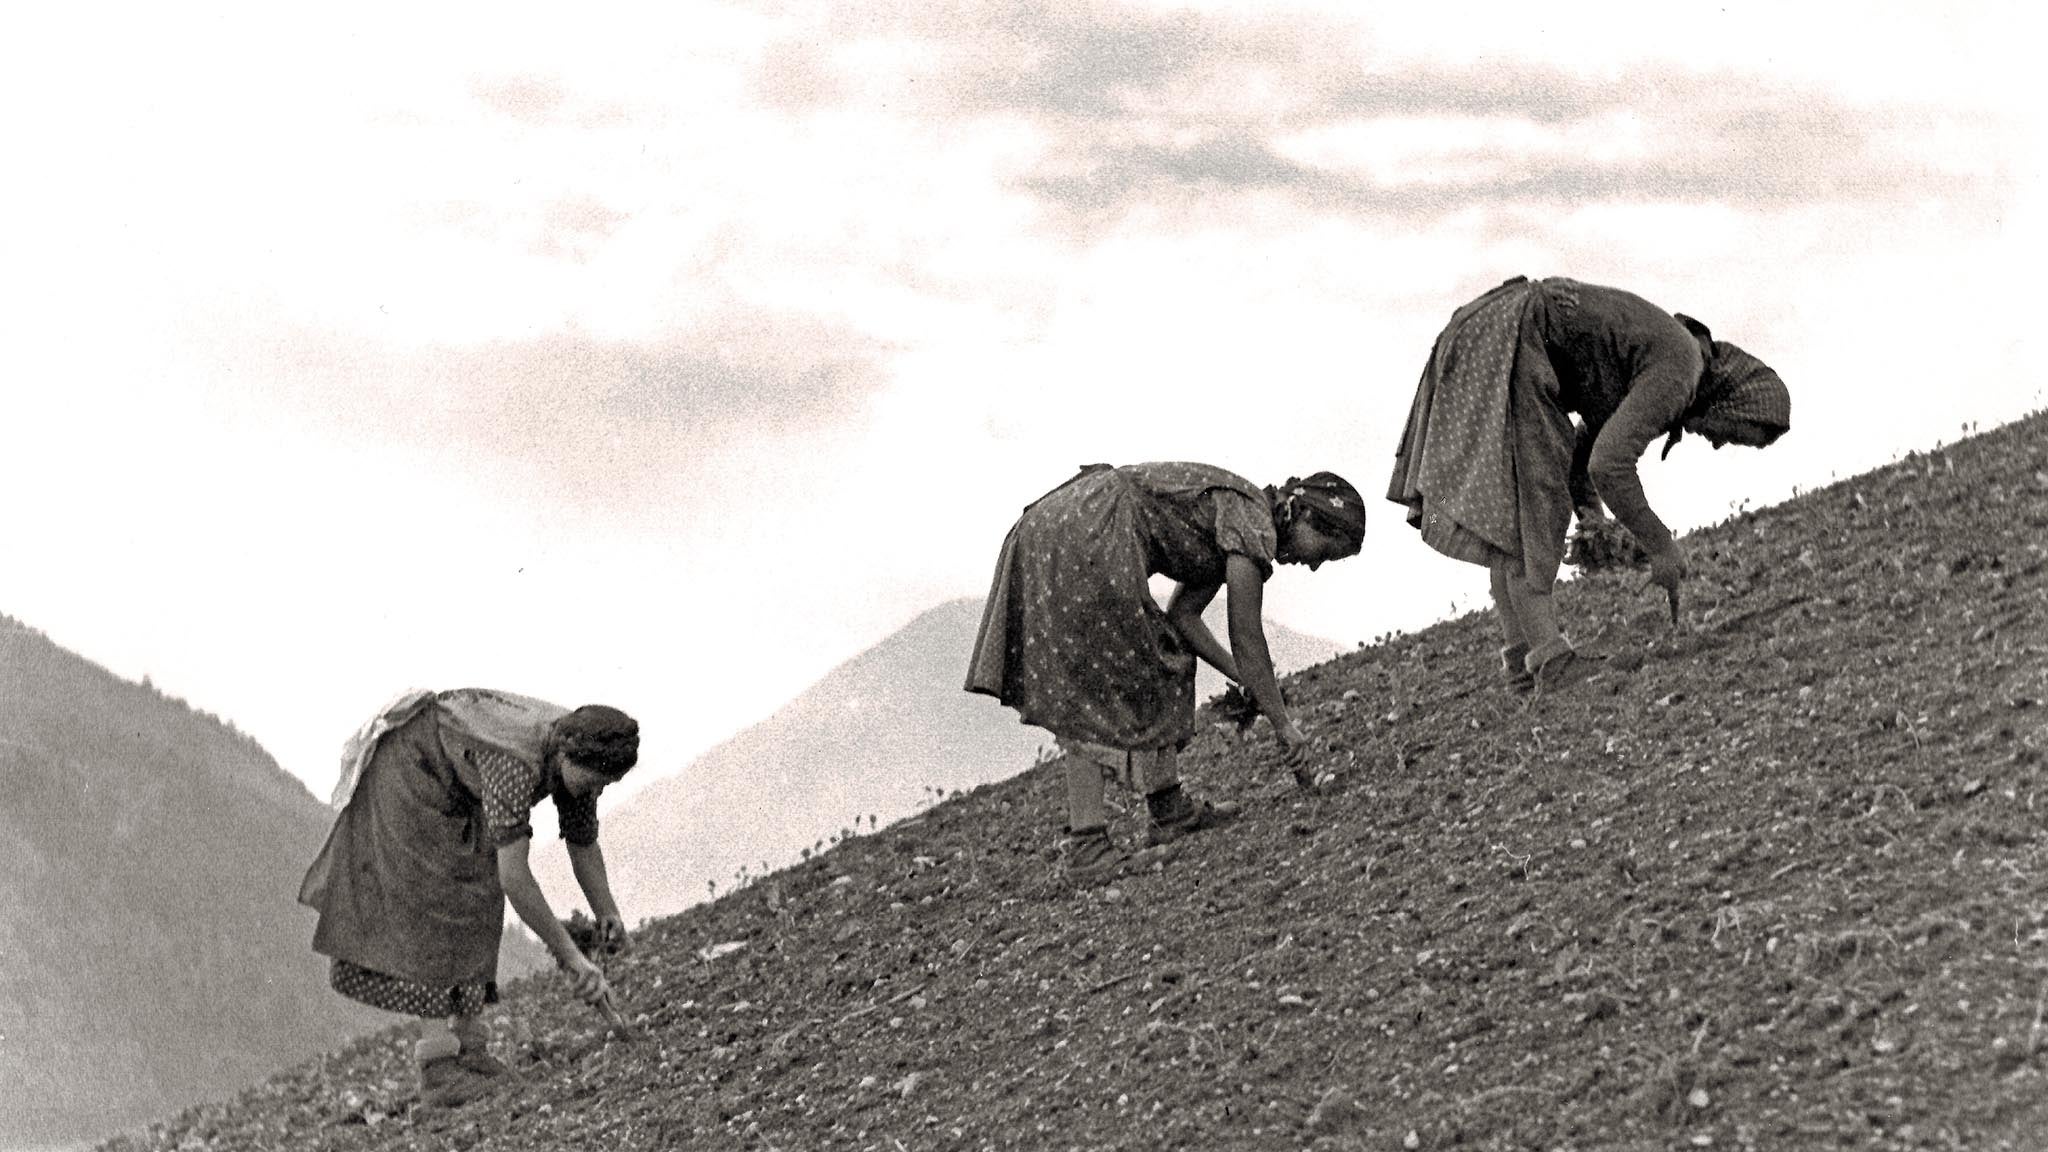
1484, 465
397, 994
1071, 636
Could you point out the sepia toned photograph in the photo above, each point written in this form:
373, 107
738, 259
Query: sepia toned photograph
1023, 574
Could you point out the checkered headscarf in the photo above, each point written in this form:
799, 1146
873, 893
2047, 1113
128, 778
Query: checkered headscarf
1738, 388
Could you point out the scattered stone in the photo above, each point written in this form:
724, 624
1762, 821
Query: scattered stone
1333, 1112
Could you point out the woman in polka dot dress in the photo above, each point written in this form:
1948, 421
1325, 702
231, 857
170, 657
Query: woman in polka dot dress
432, 841
1492, 468
1073, 639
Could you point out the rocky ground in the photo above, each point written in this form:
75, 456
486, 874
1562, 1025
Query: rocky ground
1776, 878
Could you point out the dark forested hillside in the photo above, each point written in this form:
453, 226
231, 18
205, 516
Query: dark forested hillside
151, 952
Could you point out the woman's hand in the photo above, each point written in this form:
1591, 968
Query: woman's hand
1294, 746
611, 933
585, 978
1667, 568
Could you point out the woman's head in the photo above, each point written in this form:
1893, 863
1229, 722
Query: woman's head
1741, 400
1745, 401
1319, 518
597, 745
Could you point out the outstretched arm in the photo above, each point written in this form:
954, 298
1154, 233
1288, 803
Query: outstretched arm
1655, 402
515, 876
1248, 643
1184, 611
587, 862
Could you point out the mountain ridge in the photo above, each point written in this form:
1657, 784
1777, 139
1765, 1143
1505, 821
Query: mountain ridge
135, 980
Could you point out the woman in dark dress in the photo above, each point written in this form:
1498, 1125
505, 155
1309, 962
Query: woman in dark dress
1492, 469
432, 841
1073, 639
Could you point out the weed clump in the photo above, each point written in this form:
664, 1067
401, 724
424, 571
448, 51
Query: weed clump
1604, 546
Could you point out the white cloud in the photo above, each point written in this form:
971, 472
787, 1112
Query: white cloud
667, 356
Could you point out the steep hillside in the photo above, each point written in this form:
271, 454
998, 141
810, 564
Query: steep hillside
882, 735
1774, 881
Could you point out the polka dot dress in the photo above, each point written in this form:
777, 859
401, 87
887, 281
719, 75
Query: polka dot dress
509, 787
395, 994
1072, 636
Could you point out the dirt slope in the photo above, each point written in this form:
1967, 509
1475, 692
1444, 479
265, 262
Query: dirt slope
882, 735
1776, 881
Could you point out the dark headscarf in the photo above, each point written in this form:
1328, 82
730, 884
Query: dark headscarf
1737, 389
600, 738
1329, 501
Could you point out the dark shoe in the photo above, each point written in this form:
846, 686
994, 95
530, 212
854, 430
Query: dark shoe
483, 1063
1565, 669
446, 1083
1515, 670
1175, 816
1092, 856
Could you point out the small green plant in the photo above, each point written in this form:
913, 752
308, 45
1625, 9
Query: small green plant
1236, 705
1603, 546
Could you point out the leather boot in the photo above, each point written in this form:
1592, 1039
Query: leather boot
1174, 815
1091, 855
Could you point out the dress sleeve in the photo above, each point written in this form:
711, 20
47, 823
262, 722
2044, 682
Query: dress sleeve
1245, 527
1583, 495
507, 794
1656, 399
578, 817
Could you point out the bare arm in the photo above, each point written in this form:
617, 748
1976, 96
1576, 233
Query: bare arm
587, 862
1184, 612
1247, 586
515, 875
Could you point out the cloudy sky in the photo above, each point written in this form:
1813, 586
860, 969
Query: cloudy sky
668, 356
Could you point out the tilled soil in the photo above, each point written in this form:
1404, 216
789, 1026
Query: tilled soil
1774, 879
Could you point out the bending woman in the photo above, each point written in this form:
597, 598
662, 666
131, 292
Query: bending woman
432, 839
1073, 639
1491, 468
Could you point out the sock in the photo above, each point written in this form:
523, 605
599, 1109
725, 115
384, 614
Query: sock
1085, 812
1499, 582
469, 1031
436, 1044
